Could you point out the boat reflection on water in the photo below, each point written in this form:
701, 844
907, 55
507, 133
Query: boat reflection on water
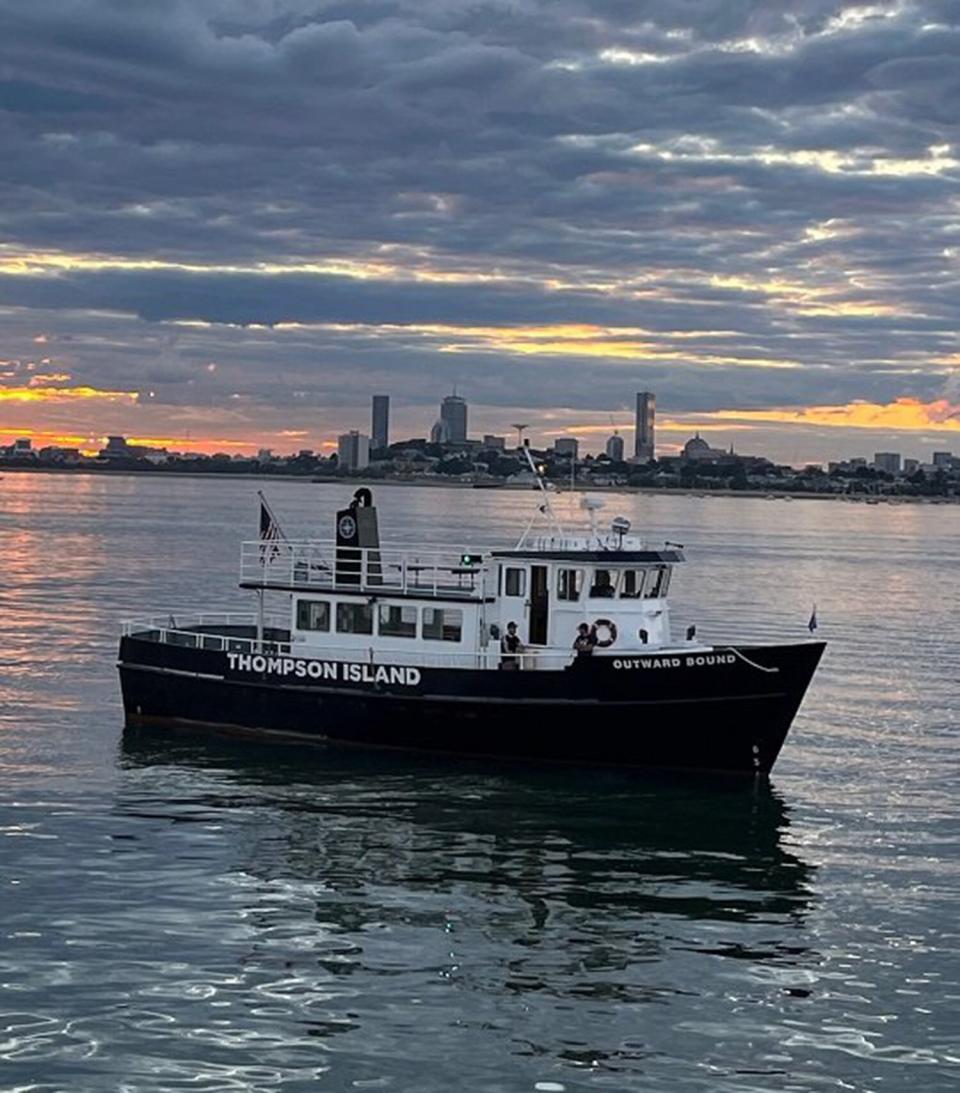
599, 840
513, 913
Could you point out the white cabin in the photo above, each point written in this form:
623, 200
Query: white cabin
395, 605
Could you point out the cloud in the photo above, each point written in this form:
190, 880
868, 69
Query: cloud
903, 414
41, 393
720, 195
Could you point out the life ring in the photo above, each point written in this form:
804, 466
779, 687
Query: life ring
611, 631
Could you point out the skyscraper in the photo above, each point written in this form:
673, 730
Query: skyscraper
615, 448
380, 433
353, 451
644, 442
453, 414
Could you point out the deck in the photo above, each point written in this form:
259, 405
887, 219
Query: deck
319, 564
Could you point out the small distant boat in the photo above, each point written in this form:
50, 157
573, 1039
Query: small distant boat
557, 649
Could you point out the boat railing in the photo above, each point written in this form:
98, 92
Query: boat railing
236, 633
322, 564
233, 632
593, 541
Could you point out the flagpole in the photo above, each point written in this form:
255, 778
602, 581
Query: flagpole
270, 533
260, 606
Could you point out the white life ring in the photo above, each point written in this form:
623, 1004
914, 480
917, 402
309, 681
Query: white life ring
611, 628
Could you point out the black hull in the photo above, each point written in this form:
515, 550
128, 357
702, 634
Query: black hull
728, 710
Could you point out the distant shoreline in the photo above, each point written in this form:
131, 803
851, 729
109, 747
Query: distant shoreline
513, 487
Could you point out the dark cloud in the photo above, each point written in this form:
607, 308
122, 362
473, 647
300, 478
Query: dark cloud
687, 157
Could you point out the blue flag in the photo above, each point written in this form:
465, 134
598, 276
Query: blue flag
812, 624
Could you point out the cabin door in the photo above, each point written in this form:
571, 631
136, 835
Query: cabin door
539, 605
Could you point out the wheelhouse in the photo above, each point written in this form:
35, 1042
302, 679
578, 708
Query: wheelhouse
548, 594
354, 598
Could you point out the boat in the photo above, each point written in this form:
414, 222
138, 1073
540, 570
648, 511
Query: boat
557, 648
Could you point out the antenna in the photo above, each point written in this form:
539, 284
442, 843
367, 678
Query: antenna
521, 429
543, 509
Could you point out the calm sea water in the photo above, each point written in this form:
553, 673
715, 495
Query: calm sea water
181, 914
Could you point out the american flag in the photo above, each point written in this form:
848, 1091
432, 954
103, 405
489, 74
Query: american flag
271, 534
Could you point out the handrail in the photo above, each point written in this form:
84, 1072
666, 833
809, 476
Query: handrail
321, 563
159, 629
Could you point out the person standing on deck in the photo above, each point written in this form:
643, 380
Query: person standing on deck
585, 640
511, 648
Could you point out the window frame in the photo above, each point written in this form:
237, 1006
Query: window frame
400, 608
425, 627
656, 585
356, 608
613, 574
640, 576
301, 604
521, 571
563, 585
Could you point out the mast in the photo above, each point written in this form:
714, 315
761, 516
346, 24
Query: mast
546, 508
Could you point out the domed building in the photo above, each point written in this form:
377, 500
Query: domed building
697, 449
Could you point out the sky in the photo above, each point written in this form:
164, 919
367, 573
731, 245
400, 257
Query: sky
225, 224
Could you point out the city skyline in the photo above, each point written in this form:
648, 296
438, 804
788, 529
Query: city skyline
749, 211
355, 447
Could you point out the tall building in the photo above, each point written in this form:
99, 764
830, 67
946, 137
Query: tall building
943, 459
615, 448
380, 433
644, 445
453, 414
887, 461
567, 445
353, 451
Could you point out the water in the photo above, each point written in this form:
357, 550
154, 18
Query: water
180, 914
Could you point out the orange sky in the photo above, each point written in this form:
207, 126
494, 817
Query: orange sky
83, 416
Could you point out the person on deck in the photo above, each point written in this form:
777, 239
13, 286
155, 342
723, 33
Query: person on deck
511, 648
585, 640
602, 586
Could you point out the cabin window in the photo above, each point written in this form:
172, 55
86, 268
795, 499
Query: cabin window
354, 618
604, 584
397, 621
313, 615
568, 584
657, 583
514, 581
442, 623
632, 584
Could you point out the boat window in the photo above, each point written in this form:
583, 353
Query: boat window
442, 623
632, 584
313, 615
515, 581
568, 584
354, 618
657, 582
397, 621
603, 586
